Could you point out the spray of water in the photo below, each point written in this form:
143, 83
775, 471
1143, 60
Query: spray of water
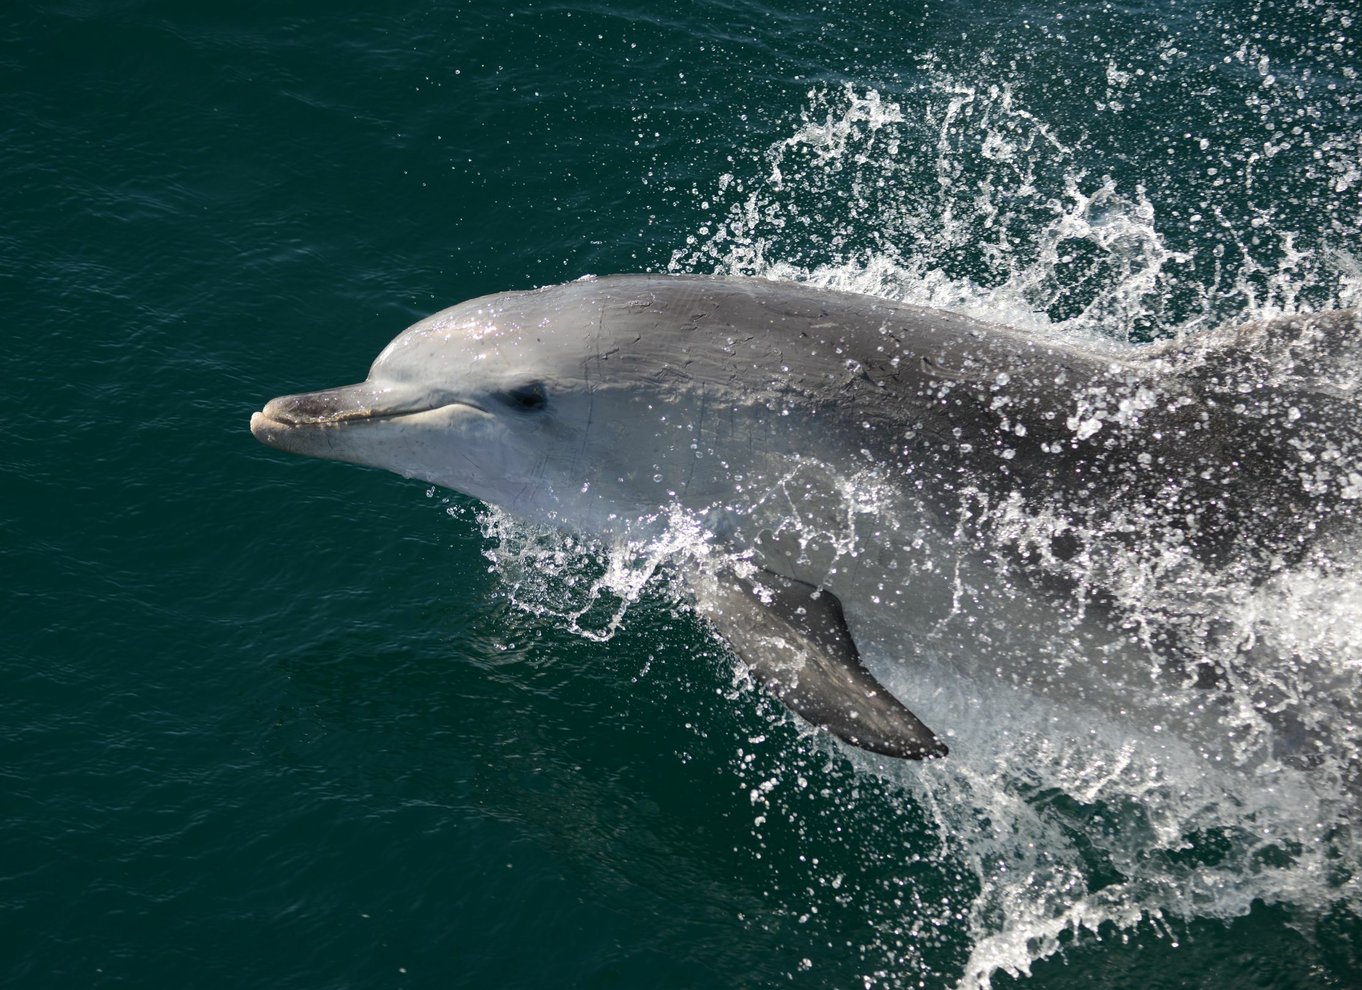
1056, 816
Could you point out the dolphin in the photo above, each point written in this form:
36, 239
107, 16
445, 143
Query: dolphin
857, 458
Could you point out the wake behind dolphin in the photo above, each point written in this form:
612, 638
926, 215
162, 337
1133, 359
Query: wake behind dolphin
867, 465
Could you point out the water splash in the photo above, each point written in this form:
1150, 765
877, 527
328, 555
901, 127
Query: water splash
577, 584
957, 196
1068, 817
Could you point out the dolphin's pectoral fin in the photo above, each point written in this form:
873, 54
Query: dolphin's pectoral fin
795, 640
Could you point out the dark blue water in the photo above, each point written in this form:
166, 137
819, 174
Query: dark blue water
282, 723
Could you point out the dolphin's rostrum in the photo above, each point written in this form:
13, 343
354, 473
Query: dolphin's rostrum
767, 410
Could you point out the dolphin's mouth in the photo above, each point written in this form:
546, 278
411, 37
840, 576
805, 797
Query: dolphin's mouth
283, 419
364, 402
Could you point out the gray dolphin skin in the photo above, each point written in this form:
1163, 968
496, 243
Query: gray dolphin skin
858, 461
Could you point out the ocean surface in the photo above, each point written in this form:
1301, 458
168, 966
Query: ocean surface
269, 722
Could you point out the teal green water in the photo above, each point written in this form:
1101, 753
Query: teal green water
268, 722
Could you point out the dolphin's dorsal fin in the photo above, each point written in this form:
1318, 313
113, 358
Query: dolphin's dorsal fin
794, 638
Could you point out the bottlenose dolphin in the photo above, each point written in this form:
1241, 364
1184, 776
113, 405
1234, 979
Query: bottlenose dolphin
855, 457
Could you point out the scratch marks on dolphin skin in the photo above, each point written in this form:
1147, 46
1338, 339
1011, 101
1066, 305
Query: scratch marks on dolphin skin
931, 367
698, 442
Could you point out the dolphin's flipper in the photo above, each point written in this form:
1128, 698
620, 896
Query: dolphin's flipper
795, 640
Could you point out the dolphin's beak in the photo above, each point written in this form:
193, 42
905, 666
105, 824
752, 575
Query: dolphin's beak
327, 407
285, 421
304, 423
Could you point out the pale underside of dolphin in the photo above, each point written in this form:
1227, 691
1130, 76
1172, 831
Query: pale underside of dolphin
603, 405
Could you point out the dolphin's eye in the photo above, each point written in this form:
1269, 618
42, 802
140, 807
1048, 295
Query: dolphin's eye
528, 397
